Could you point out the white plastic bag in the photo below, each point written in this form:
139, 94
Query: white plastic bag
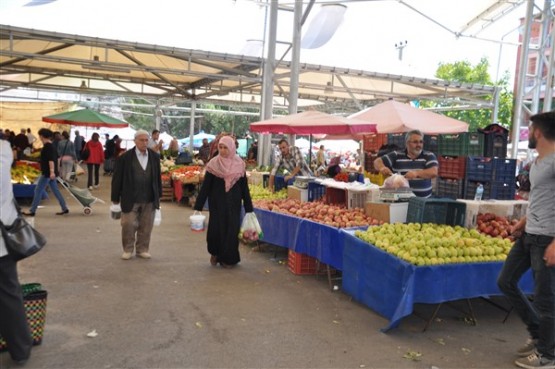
250, 229
396, 181
157, 217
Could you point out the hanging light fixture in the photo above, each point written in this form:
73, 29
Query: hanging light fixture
328, 90
323, 26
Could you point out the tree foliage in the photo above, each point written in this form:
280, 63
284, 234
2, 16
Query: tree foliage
177, 122
464, 71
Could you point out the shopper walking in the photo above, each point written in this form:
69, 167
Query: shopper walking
96, 157
49, 172
78, 143
225, 187
536, 250
13, 321
137, 187
66, 153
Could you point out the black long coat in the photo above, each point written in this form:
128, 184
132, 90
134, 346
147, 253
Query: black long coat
123, 186
225, 215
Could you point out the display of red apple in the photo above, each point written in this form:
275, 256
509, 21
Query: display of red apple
319, 211
495, 225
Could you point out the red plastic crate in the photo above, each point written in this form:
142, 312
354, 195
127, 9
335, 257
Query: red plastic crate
301, 264
336, 196
372, 142
453, 167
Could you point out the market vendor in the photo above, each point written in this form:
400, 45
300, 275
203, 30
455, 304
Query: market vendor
292, 160
417, 165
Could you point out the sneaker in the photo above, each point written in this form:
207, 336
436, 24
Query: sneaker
126, 255
528, 349
535, 360
144, 255
96, 186
90, 188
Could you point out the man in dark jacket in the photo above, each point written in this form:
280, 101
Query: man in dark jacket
137, 188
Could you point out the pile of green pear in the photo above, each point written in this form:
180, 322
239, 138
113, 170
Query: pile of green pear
435, 244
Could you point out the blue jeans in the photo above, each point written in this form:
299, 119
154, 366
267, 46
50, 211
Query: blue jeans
41, 186
538, 316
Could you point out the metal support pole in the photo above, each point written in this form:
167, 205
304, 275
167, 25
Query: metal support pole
519, 93
550, 25
192, 127
265, 140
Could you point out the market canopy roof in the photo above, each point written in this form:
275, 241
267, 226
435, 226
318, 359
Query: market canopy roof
52, 61
395, 117
313, 122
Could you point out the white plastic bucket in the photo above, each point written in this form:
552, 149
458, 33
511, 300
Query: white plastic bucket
197, 222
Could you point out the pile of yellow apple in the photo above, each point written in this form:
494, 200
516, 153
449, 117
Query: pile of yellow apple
434, 244
24, 174
258, 192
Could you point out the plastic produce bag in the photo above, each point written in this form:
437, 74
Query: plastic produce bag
396, 181
250, 229
157, 217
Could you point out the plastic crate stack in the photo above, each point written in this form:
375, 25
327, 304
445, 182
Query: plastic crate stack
371, 145
315, 191
495, 141
497, 175
469, 159
451, 173
504, 184
479, 170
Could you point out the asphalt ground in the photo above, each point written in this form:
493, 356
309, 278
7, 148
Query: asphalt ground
178, 311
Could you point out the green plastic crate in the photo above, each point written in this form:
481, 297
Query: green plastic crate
437, 211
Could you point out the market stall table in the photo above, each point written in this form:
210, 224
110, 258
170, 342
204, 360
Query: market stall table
391, 286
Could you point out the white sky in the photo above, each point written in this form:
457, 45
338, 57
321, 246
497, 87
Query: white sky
365, 40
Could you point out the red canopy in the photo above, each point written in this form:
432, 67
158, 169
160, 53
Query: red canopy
314, 122
395, 117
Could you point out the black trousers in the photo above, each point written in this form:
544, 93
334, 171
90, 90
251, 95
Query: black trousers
13, 320
90, 168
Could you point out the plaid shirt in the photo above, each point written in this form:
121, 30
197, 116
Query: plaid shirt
291, 161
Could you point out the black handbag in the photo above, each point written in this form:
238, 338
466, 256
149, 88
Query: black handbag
21, 239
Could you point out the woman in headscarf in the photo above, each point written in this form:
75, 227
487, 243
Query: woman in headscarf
333, 167
225, 187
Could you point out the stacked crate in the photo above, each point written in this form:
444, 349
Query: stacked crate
451, 172
397, 139
479, 170
497, 175
167, 189
495, 141
371, 145
504, 184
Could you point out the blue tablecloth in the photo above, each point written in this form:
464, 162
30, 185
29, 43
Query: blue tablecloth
317, 240
391, 286
26, 191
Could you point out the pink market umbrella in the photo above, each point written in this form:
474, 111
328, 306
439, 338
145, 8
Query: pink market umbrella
314, 122
394, 117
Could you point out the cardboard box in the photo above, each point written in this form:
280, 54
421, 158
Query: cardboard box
390, 212
296, 193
